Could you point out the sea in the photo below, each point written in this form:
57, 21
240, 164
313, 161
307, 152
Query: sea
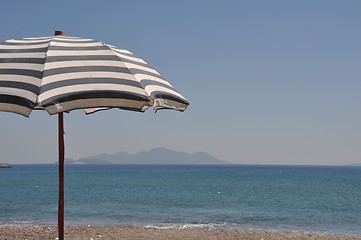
317, 199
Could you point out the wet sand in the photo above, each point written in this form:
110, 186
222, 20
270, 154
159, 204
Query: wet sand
135, 233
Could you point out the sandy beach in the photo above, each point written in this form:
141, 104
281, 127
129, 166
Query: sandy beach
137, 233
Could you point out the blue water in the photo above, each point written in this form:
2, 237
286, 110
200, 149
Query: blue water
283, 198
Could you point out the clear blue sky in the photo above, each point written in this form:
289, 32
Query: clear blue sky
268, 81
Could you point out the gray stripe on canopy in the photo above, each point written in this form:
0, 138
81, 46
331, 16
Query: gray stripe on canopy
22, 60
81, 58
25, 50
4, 98
70, 41
78, 48
66, 97
20, 85
56, 71
23, 72
83, 81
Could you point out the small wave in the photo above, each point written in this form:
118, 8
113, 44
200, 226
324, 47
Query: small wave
209, 226
17, 224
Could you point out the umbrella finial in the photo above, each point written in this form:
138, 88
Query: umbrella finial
59, 32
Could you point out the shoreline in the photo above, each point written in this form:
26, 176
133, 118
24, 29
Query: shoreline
39, 232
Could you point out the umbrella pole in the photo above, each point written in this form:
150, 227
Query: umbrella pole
61, 167
61, 177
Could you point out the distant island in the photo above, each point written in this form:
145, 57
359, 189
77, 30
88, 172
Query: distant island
2, 165
154, 156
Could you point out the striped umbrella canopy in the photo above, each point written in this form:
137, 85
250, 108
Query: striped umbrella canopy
62, 73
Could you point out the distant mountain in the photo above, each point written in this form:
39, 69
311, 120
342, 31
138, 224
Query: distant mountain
154, 156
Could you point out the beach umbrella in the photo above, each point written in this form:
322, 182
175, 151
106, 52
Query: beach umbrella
61, 73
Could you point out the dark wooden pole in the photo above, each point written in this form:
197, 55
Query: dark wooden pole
61, 178
61, 168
